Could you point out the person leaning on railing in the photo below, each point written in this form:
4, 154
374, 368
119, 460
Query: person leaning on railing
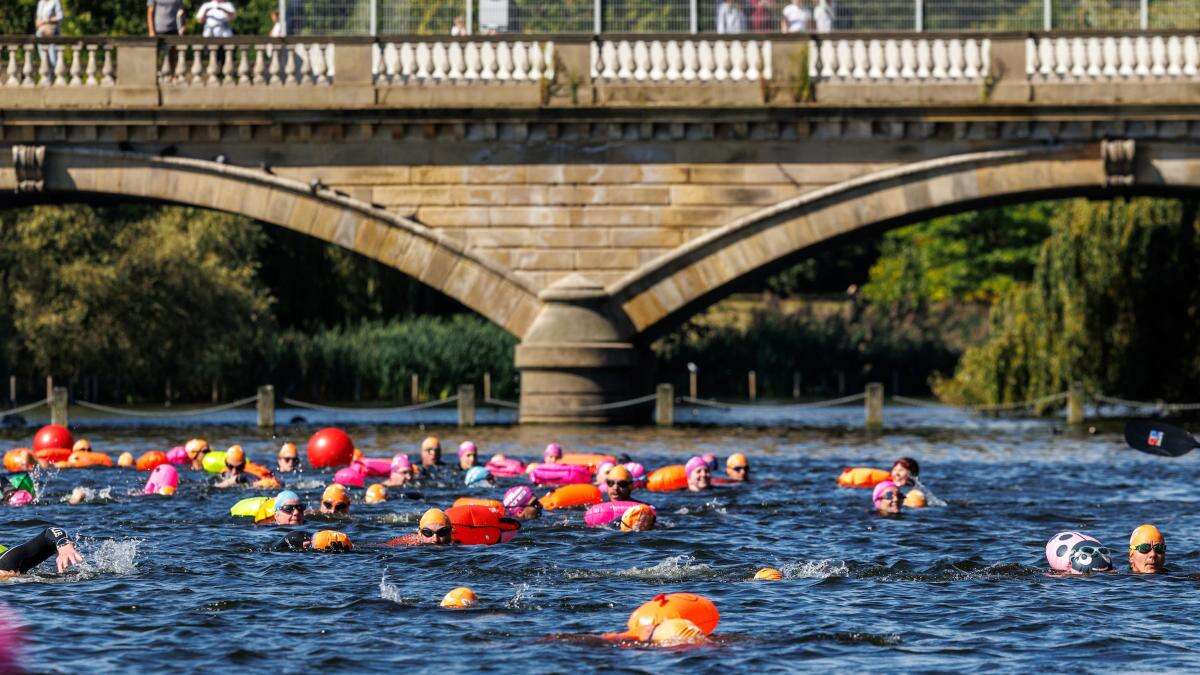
48, 23
730, 20
797, 18
164, 17
216, 16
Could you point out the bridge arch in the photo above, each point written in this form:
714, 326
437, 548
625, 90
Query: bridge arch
418, 251
667, 291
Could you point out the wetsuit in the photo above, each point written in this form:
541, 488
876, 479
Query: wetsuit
32, 553
242, 478
293, 541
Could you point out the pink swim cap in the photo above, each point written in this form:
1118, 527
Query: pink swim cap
710, 459
20, 498
553, 452
636, 470
881, 488
401, 463
1058, 549
692, 464
467, 447
518, 497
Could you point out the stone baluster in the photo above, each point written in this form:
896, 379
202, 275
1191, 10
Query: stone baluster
45, 79
504, 61
13, 80
440, 62
941, 59
243, 66
1128, 57
181, 65
1079, 58
691, 61
1112, 57
826, 53
1046, 58
624, 60
408, 60
908, 60
108, 70
641, 59
924, 59
197, 72
1142, 50
1191, 56
537, 61
320, 66
1158, 56
954, 49
424, 60
212, 71
165, 76
60, 69
704, 56
1174, 56
674, 60
753, 60
720, 60
487, 62
891, 59
658, 61
844, 60
1062, 58
548, 62
875, 65
1031, 58
305, 74
330, 54
520, 58
985, 57
859, 60
77, 57
972, 59
471, 62
91, 70
27, 68
767, 68
389, 62
1095, 58
278, 56
454, 55
737, 60
609, 59
258, 75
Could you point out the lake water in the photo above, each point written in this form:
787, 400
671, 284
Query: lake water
177, 583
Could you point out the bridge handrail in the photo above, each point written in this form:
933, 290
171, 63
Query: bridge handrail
372, 411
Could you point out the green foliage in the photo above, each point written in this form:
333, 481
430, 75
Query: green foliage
1112, 304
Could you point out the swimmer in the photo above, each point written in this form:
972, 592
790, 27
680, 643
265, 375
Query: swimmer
289, 510
904, 471
468, 455
737, 467
376, 494
288, 458
431, 452
520, 503
886, 498
235, 470
17, 482
196, 449
330, 541
402, 472
126, 461
335, 500
82, 445
602, 473
552, 454
699, 476
435, 529
619, 484
479, 477
78, 495
1147, 551
24, 557
638, 519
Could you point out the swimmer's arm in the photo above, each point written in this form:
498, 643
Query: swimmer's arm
68, 556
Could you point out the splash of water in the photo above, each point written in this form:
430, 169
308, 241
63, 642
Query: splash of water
114, 556
391, 592
815, 569
672, 569
930, 498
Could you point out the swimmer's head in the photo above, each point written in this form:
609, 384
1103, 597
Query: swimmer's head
477, 475
639, 518
235, 458
637, 471
676, 632
904, 470
518, 496
435, 527
82, 445
376, 494
125, 461
915, 499
332, 541
20, 498
699, 476
460, 598
1147, 550
553, 453
711, 460
768, 574
288, 457
467, 448
431, 451
602, 472
335, 499
618, 483
886, 497
196, 447
401, 464
25, 460
289, 510
737, 467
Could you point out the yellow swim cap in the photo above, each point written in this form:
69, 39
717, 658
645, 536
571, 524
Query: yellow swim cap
331, 540
375, 494
915, 499
82, 445
430, 443
638, 519
1145, 534
736, 459
288, 450
676, 632
460, 598
125, 460
434, 519
235, 456
618, 473
768, 574
335, 493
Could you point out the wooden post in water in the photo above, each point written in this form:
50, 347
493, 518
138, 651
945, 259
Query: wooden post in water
466, 405
487, 387
58, 406
415, 387
752, 385
12, 389
664, 405
49, 387
874, 406
266, 407
796, 385
693, 389
1075, 403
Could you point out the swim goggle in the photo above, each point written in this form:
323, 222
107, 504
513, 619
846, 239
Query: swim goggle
739, 468
889, 496
440, 533
339, 506
292, 508
239, 467
1146, 548
288, 459
615, 483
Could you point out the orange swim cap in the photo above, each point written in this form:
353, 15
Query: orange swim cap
335, 493
195, 447
674, 632
430, 443
638, 518
1145, 534
915, 499
737, 459
83, 445
434, 519
375, 494
288, 450
768, 574
619, 473
235, 456
460, 598
331, 540
125, 460
167, 490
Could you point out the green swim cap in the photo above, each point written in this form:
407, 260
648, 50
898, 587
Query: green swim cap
21, 481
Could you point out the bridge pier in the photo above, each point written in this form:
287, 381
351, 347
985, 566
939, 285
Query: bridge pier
577, 358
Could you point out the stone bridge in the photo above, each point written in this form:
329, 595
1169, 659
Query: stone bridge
588, 195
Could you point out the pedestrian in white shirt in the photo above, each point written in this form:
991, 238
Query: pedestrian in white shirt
796, 18
277, 29
730, 19
216, 15
48, 22
823, 16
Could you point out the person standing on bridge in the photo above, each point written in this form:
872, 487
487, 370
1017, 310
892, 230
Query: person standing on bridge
47, 24
796, 18
164, 17
823, 16
216, 16
730, 20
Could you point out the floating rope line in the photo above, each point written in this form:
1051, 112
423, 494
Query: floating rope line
501, 403
709, 403
1031, 403
372, 411
1157, 405
25, 408
165, 415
